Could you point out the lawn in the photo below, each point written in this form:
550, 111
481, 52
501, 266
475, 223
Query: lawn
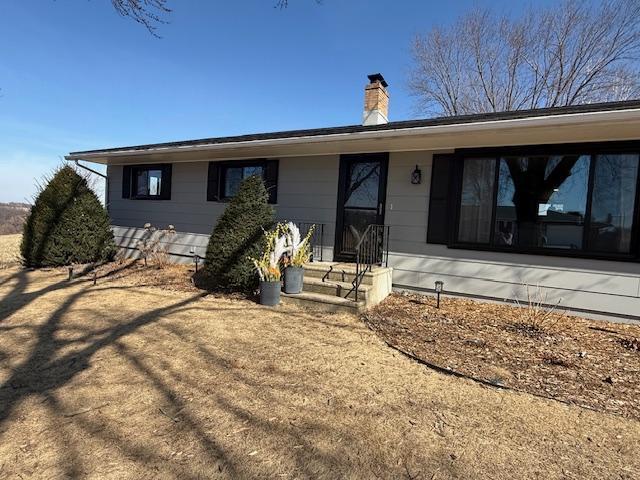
9, 249
119, 380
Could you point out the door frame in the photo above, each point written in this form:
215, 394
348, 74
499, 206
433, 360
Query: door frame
346, 160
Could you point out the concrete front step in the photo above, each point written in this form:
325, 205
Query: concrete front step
334, 288
326, 284
341, 272
322, 302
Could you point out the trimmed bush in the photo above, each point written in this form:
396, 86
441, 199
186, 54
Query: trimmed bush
67, 224
238, 236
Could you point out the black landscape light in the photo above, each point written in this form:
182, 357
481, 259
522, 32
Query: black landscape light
196, 260
416, 176
439, 286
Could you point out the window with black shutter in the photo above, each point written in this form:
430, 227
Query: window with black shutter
571, 200
126, 181
224, 178
439, 205
147, 182
213, 182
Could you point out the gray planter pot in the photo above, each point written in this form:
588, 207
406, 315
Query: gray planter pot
270, 293
293, 277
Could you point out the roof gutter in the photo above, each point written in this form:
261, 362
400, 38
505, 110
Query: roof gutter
530, 122
79, 165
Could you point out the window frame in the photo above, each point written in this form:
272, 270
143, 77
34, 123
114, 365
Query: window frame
224, 168
165, 181
221, 167
590, 149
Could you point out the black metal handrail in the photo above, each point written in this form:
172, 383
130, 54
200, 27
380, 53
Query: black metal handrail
317, 238
372, 249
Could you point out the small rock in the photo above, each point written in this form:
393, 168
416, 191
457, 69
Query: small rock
609, 380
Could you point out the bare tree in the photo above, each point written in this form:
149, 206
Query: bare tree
150, 13
146, 12
568, 54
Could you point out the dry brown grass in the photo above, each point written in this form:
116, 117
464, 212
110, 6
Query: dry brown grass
117, 381
9, 250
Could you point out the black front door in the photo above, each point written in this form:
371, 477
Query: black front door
361, 199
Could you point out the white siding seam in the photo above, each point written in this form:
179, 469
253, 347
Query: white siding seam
510, 282
568, 308
511, 264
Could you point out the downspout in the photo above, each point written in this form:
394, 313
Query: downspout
106, 181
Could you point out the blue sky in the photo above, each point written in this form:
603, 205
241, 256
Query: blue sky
74, 75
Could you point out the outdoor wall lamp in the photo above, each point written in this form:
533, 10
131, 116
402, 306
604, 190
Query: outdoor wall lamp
416, 176
439, 286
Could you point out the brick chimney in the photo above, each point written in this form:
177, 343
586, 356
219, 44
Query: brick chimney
376, 101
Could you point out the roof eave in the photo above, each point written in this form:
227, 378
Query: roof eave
572, 119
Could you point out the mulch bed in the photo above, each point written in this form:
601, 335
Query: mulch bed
136, 273
174, 277
590, 363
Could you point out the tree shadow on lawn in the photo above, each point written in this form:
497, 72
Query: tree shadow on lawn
47, 369
17, 293
44, 371
18, 298
315, 443
296, 435
50, 365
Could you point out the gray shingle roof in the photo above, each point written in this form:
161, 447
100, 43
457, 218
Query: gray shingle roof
406, 124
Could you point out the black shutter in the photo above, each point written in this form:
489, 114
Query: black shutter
271, 179
165, 185
213, 182
126, 181
440, 206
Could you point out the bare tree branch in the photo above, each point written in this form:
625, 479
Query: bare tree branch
150, 13
146, 12
285, 3
571, 53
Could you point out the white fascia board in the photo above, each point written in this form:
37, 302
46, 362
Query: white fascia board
426, 131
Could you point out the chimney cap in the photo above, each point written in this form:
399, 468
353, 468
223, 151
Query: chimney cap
377, 77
